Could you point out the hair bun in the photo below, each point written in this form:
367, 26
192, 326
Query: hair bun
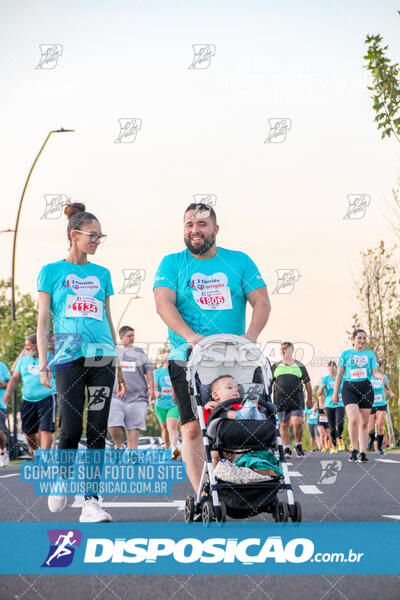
73, 208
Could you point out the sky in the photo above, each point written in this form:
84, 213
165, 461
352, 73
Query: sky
202, 131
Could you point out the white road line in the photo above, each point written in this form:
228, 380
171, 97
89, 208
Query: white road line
310, 489
388, 460
10, 475
397, 517
295, 474
177, 504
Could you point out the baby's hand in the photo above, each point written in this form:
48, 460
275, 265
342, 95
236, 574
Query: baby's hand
210, 404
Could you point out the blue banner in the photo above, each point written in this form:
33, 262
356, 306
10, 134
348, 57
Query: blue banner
237, 548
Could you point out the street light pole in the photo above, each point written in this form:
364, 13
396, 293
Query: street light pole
14, 445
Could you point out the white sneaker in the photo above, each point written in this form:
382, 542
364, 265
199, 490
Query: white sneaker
6, 458
56, 503
2, 459
92, 512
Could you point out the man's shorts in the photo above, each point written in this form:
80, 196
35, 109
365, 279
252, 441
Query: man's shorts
312, 430
131, 415
39, 416
375, 408
284, 415
163, 414
3, 419
177, 373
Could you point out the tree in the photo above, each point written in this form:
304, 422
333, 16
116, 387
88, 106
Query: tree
385, 88
13, 333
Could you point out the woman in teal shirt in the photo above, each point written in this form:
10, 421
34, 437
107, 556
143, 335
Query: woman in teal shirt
167, 411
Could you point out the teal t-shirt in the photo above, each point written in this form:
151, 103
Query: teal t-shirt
379, 391
32, 389
163, 385
210, 293
4, 377
358, 365
311, 420
80, 323
329, 387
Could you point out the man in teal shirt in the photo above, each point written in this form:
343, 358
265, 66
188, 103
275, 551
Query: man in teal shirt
201, 291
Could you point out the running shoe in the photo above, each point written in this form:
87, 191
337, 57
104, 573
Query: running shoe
92, 512
299, 450
363, 457
175, 453
341, 445
323, 449
381, 451
333, 450
56, 503
288, 453
353, 456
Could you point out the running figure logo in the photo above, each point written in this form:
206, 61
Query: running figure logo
50, 55
286, 280
357, 206
329, 471
132, 280
62, 547
98, 395
278, 129
203, 54
54, 205
128, 129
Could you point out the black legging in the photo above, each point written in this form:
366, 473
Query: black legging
336, 422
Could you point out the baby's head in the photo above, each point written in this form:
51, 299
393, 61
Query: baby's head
224, 388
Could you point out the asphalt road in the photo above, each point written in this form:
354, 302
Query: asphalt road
338, 491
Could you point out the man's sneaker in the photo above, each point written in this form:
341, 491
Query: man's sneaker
299, 450
56, 503
288, 453
380, 451
92, 512
353, 456
341, 445
175, 453
362, 457
333, 450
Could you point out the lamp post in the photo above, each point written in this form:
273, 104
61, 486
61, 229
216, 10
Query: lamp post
61, 130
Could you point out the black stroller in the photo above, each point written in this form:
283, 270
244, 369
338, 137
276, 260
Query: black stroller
233, 355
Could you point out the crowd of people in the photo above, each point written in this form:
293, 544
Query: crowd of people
200, 291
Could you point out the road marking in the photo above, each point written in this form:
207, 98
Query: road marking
388, 460
295, 474
11, 475
397, 517
177, 504
310, 489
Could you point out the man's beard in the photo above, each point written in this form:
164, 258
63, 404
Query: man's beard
204, 248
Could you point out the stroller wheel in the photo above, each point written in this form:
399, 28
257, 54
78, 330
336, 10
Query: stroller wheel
297, 512
207, 512
281, 512
220, 513
189, 509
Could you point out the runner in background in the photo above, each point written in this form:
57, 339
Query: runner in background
356, 367
5, 376
335, 413
77, 294
322, 424
166, 410
39, 402
378, 412
128, 412
312, 428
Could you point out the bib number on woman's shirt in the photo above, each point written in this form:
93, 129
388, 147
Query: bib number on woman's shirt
378, 398
358, 373
84, 306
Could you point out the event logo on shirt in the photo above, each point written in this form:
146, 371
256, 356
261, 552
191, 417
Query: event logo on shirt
34, 369
82, 287
211, 292
360, 361
62, 547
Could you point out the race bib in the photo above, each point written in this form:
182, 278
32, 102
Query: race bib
358, 373
211, 292
166, 390
378, 398
34, 369
84, 306
323, 419
128, 365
